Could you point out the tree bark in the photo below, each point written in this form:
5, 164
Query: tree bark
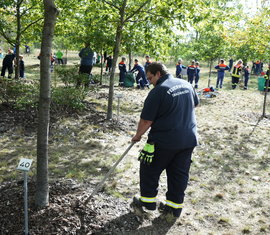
18, 38
115, 57
42, 185
101, 67
129, 60
210, 71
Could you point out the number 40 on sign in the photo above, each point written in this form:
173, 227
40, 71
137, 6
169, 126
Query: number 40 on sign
24, 164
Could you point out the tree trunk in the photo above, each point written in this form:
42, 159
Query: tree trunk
129, 60
115, 57
42, 185
101, 67
210, 71
18, 39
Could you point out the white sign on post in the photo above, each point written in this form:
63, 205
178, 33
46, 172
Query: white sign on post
24, 164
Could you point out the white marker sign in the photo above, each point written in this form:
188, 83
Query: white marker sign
24, 164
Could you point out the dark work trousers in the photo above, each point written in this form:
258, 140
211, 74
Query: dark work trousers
235, 81
246, 81
122, 76
86, 69
141, 80
60, 61
197, 78
9, 68
21, 73
177, 165
220, 78
190, 78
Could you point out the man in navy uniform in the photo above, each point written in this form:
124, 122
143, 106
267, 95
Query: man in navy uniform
179, 68
221, 67
191, 72
140, 78
147, 62
169, 112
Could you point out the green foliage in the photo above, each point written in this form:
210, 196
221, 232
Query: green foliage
67, 99
23, 96
70, 76
18, 94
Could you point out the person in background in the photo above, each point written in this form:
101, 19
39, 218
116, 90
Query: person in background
179, 68
267, 81
140, 78
236, 71
1, 54
59, 57
27, 49
98, 58
52, 59
147, 58
109, 63
191, 71
197, 74
95, 58
86, 54
257, 67
8, 63
253, 68
230, 64
261, 69
21, 66
247, 75
221, 68
104, 56
123, 70
169, 113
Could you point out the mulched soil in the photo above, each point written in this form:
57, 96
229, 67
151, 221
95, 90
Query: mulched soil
66, 213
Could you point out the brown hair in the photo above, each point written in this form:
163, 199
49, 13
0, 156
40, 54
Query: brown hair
157, 67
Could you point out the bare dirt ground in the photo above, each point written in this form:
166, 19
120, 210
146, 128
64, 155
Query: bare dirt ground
229, 187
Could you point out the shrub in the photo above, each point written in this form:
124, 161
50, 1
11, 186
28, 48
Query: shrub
67, 74
70, 76
19, 94
22, 96
67, 99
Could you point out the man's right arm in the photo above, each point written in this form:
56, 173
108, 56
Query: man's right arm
143, 126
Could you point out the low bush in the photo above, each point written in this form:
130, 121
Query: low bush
70, 76
23, 96
18, 94
67, 99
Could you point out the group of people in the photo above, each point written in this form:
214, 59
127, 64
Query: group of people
56, 57
235, 71
193, 71
141, 79
8, 64
257, 67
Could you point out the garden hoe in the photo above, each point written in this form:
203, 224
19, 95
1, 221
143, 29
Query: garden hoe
97, 188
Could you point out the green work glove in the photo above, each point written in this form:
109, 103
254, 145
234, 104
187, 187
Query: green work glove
147, 154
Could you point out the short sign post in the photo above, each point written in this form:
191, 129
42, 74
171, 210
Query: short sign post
118, 96
24, 165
